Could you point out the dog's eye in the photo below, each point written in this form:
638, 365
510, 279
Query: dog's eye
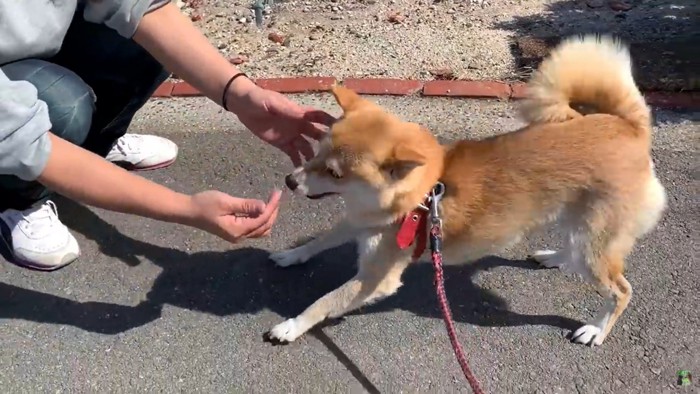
333, 173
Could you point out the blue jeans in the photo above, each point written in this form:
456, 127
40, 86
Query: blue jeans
92, 87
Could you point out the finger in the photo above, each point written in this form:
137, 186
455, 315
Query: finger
314, 115
303, 145
313, 130
265, 228
248, 207
293, 154
258, 229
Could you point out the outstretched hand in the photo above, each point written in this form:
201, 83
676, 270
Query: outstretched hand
232, 218
279, 121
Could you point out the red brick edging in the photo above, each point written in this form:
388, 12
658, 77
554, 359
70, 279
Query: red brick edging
406, 87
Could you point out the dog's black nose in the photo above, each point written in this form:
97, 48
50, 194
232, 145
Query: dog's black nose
291, 182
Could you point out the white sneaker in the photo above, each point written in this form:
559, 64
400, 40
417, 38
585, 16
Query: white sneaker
37, 239
142, 152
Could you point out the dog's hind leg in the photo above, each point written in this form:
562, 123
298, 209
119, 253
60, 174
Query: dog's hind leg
612, 285
338, 235
607, 250
380, 269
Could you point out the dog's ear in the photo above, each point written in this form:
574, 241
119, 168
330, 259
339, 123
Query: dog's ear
346, 98
404, 159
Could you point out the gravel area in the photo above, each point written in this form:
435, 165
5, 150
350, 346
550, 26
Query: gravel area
422, 39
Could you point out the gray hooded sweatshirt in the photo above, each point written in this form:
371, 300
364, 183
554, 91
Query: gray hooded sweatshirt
36, 29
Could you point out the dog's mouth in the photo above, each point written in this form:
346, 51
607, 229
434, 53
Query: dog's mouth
318, 196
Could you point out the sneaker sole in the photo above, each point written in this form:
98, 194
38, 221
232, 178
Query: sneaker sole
132, 167
35, 267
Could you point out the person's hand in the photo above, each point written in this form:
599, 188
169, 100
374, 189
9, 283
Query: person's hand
277, 120
234, 219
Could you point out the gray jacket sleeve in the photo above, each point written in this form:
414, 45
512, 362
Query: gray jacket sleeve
24, 140
121, 15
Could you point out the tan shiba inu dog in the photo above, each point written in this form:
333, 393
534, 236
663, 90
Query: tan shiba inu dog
589, 171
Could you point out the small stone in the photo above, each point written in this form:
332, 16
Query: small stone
196, 17
334, 8
594, 3
276, 37
656, 371
239, 59
243, 20
396, 18
222, 45
442, 73
617, 5
336, 17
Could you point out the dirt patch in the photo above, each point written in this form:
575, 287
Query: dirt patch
670, 65
423, 39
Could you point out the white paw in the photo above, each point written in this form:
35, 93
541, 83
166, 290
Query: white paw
289, 257
588, 335
547, 258
285, 332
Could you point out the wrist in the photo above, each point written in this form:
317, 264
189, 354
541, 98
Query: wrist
236, 91
184, 210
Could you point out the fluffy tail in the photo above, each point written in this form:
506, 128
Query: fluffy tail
590, 71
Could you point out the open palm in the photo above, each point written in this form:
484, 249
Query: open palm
282, 123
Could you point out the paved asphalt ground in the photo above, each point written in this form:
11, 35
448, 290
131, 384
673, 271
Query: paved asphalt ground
158, 307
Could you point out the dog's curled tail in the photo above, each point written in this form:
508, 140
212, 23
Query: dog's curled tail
589, 71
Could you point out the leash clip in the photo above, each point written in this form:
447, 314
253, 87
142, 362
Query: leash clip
435, 196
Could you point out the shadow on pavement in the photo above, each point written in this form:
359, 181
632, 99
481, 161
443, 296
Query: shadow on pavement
244, 281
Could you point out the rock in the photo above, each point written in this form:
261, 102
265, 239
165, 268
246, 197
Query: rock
243, 20
276, 37
442, 73
222, 45
396, 18
618, 5
594, 3
196, 16
239, 59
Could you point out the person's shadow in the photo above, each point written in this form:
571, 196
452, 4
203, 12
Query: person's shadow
243, 281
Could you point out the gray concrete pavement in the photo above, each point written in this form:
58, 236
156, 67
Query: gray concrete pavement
158, 307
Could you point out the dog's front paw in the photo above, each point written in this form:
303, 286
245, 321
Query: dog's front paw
589, 334
285, 332
289, 257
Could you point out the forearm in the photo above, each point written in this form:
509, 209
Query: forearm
88, 178
175, 42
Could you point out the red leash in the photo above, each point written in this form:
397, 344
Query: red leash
435, 241
414, 228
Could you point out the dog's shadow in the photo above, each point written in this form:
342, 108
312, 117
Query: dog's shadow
244, 281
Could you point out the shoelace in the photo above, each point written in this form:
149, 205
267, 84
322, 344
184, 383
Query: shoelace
41, 218
124, 146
